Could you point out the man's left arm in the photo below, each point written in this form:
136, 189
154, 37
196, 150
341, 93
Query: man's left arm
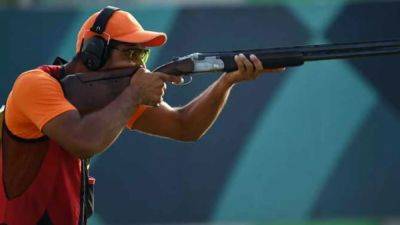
190, 122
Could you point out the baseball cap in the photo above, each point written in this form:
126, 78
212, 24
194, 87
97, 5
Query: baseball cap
122, 26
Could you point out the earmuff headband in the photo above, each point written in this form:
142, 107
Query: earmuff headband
102, 19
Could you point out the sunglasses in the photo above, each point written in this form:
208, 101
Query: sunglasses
135, 54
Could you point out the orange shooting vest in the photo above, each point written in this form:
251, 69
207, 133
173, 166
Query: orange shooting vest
40, 182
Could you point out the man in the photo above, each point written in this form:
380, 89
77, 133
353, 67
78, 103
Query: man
45, 137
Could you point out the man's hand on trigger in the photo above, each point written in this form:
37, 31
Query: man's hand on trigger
149, 87
248, 69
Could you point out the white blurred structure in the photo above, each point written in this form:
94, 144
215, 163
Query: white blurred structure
121, 3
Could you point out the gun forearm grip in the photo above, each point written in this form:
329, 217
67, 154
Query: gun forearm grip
269, 60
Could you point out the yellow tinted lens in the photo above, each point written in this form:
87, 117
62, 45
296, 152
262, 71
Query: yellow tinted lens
146, 56
141, 55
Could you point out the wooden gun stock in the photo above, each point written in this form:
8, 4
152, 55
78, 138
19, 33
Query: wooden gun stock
92, 91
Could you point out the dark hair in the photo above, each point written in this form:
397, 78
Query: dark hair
115, 43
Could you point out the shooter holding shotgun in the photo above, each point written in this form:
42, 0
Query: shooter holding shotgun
47, 141
57, 117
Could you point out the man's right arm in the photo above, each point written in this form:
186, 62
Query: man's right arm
85, 136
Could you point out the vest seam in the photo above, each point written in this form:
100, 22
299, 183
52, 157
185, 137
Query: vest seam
20, 139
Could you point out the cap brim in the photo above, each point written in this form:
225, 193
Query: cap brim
145, 37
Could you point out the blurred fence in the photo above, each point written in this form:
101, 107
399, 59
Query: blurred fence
317, 143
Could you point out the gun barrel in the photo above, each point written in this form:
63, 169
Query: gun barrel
296, 56
350, 53
315, 48
278, 57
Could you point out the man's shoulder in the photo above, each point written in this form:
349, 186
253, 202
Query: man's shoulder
35, 80
34, 76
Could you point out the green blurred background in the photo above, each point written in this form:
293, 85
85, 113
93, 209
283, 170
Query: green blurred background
317, 144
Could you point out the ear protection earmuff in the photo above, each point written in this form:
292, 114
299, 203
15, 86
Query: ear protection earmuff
94, 51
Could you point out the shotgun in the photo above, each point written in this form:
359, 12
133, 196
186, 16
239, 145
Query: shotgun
93, 90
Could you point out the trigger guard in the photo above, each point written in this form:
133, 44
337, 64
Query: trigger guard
185, 82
